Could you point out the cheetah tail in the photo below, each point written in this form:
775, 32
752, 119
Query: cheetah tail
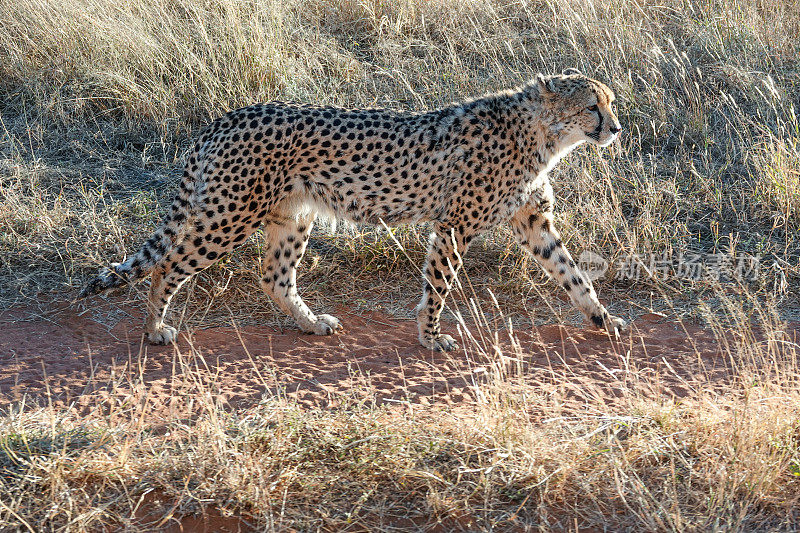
106, 279
142, 262
178, 222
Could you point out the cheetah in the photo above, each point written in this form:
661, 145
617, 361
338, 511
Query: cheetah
465, 168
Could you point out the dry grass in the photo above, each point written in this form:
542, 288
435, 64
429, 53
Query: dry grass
99, 101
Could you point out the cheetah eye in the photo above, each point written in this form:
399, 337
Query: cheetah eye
593, 107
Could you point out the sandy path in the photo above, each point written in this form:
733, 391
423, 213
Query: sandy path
63, 356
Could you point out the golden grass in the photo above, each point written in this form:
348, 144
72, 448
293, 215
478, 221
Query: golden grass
94, 92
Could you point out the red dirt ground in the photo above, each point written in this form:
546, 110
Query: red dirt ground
58, 354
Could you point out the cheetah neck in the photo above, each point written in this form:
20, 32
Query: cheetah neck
540, 135
542, 147
553, 156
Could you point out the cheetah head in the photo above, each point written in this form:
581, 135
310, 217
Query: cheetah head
579, 107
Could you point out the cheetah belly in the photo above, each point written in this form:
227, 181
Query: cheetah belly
366, 199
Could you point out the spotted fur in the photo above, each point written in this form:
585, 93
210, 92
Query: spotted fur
467, 168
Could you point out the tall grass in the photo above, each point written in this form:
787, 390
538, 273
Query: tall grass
707, 95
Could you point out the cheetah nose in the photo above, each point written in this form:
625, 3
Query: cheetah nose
615, 129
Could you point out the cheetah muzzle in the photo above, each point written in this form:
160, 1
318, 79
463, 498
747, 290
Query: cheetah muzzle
466, 168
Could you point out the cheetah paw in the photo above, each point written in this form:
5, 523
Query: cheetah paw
164, 334
440, 343
326, 325
613, 325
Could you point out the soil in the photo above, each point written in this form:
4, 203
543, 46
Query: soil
61, 355
95, 361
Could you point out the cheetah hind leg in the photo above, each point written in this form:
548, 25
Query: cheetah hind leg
441, 268
285, 242
171, 272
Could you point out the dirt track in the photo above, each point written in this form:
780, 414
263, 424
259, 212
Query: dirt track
66, 358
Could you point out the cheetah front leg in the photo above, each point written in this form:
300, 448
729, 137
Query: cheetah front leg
285, 242
440, 271
535, 231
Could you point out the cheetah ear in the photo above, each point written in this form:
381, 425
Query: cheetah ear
544, 84
571, 71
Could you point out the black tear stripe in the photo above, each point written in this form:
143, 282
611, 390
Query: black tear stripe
599, 128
